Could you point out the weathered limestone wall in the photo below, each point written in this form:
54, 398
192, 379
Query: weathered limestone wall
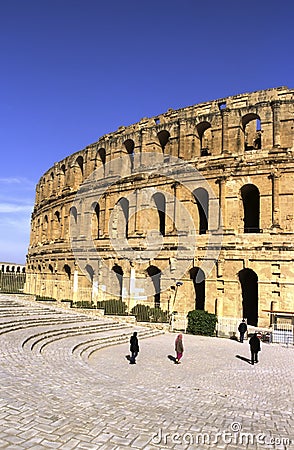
243, 147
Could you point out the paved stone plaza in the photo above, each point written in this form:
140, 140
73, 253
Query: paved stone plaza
62, 388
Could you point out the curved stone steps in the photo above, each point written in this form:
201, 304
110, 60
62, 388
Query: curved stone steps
40, 340
68, 338
26, 326
87, 348
13, 325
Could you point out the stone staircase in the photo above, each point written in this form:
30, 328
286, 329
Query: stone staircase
43, 329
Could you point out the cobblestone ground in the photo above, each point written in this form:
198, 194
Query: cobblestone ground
53, 397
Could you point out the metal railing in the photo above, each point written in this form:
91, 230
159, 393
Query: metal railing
227, 326
283, 333
12, 282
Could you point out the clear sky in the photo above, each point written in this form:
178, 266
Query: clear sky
73, 70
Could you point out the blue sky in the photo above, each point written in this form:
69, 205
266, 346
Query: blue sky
73, 70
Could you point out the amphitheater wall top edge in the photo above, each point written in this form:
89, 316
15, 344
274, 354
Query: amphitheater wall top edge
212, 107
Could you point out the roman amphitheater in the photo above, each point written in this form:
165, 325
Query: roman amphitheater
191, 209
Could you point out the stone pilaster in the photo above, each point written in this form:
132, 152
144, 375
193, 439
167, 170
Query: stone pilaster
225, 130
276, 124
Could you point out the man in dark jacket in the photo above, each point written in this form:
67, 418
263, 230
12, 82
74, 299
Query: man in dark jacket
242, 328
134, 347
254, 343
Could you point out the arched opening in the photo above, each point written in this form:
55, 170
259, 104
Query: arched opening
159, 200
78, 171
198, 277
90, 273
67, 270
74, 214
96, 221
130, 146
119, 275
57, 224
155, 275
251, 126
249, 286
102, 157
204, 138
80, 163
202, 201
51, 182
251, 206
73, 221
62, 176
163, 137
45, 228
124, 204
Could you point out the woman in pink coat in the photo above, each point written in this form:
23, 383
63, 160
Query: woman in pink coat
179, 348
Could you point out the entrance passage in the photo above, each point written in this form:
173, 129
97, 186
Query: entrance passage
251, 204
155, 275
249, 285
198, 277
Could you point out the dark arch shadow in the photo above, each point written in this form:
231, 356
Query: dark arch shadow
244, 359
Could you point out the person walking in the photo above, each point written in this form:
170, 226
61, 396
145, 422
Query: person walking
242, 328
134, 348
179, 348
254, 343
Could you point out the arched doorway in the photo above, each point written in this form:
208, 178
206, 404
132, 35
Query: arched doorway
130, 146
160, 203
124, 205
203, 134
198, 277
163, 137
202, 201
251, 126
249, 285
251, 205
119, 275
155, 275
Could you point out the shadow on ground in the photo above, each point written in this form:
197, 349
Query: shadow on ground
243, 358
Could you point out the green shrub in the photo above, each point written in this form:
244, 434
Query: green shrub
141, 312
43, 298
144, 313
201, 322
113, 307
84, 304
157, 315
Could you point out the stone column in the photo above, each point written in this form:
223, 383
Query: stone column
81, 220
106, 216
175, 188
221, 181
225, 130
95, 289
276, 123
75, 285
275, 177
138, 220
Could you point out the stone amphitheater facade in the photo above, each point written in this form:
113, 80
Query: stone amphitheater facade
235, 152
